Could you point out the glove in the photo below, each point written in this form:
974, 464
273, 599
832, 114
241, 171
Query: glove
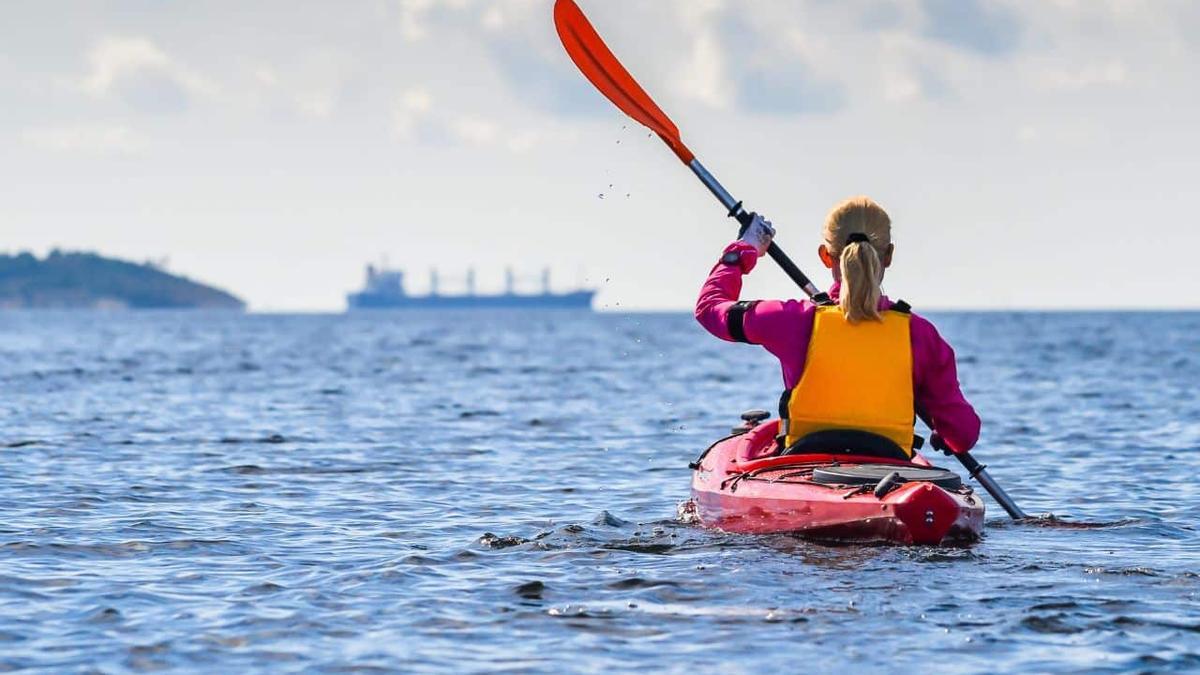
759, 234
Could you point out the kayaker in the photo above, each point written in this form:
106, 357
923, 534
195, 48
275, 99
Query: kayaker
865, 365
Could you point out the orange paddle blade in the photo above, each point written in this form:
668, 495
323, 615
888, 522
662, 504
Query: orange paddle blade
603, 70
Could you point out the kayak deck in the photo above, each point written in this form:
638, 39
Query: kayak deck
779, 494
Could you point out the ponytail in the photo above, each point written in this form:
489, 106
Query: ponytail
858, 233
862, 272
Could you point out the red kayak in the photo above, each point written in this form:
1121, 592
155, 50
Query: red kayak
835, 496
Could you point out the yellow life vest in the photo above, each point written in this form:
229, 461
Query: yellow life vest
857, 376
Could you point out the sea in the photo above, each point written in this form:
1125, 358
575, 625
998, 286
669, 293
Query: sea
440, 492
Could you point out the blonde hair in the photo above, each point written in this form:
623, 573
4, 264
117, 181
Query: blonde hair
860, 262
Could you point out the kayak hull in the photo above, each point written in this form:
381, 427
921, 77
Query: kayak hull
778, 495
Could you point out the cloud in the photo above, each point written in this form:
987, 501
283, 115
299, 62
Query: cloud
1028, 133
1070, 136
85, 138
906, 83
715, 57
316, 102
142, 75
788, 90
417, 18
518, 39
703, 78
315, 82
1108, 74
544, 85
417, 117
702, 73
266, 76
875, 15
412, 114
412, 18
493, 18
775, 75
474, 130
528, 56
974, 25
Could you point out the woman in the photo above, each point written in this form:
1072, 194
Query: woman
865, 365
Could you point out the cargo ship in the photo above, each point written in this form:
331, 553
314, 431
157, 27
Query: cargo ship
385, 290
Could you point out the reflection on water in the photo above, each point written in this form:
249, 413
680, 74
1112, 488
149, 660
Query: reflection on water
422, 491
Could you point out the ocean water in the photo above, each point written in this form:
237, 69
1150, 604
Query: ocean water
436, 492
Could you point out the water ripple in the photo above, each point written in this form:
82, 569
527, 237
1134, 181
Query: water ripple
489, 492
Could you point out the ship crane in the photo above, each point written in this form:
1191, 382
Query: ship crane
511, 280
385, 290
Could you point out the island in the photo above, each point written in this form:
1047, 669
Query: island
78, 280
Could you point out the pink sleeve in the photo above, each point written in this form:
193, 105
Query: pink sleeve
721, 290
781, 326
936, 389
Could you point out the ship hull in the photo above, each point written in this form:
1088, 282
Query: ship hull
575, 300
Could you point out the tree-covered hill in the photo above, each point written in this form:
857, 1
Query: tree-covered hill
82, 280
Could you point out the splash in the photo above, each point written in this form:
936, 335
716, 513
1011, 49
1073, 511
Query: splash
1052, 521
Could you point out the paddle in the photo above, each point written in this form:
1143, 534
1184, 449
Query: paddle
598, 64
603, 70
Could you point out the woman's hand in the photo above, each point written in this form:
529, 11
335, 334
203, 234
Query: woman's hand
759, 234
939, 443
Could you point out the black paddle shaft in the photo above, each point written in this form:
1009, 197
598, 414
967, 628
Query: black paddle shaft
745, 218
977, 471
790, 268
785, 263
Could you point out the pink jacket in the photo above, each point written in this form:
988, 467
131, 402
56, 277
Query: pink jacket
783, 327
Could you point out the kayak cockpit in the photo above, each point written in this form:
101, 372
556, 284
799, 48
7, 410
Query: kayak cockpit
742, 484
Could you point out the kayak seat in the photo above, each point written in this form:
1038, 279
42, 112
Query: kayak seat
871, 474
847, 442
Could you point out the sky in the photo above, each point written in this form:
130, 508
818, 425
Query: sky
1031, 153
